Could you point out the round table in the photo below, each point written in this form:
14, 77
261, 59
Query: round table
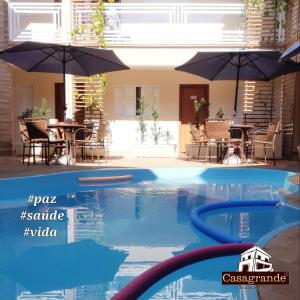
68, 130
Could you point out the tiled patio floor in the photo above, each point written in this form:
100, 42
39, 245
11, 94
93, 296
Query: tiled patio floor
11, 166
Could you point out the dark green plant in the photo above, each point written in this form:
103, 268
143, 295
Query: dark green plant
38, 111
220, 113
141, 118
156, 130
198, 104
168, 136
278, 5
96, 83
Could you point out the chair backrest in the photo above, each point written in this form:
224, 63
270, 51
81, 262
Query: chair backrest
198, 134
23, 131
84, 133
272, 131
102, 130
37, 129
218, 129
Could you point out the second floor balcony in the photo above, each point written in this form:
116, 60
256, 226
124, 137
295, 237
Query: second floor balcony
132, 24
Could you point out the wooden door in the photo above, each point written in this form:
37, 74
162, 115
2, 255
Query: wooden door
187, 94
60, 101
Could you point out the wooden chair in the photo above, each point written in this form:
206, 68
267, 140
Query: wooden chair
267, 142
39, 134
92, 139
219, 136
199, 137
25, 138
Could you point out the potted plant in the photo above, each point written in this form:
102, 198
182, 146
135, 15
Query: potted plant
198, 105
141, 119
156, 129
37, 112
220, 113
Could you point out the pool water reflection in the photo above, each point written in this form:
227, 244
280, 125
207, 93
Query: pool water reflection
111, 235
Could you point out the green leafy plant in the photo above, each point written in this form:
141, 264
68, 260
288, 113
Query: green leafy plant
156, 129
96, 84
141, 118
220, 113
198, 104
94, 99
280, 5
38, 111
168, 136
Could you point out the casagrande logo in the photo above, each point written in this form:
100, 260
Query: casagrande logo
255, 267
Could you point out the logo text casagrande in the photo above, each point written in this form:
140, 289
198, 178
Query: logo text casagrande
255, 268
241, 278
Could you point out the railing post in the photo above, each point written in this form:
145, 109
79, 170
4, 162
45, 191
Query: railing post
65, 15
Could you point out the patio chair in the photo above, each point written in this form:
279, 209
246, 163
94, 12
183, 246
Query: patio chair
39, 134
219, 136
92, 139
25, 138
199, 137
267, 142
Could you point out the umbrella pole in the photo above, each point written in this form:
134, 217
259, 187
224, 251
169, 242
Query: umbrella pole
64, 82
237, 85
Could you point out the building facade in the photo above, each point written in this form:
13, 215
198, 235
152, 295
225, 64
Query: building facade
152, 38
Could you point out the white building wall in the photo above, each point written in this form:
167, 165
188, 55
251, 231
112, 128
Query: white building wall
125, 134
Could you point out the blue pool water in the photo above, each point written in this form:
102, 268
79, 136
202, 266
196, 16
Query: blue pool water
111, 233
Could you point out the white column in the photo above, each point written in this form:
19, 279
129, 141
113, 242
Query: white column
69, 96
66, 21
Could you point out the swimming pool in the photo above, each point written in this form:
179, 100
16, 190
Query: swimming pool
112, 232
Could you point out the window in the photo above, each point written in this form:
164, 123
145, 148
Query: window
258, 257
266, 259
261, 266
126, 99
249, 256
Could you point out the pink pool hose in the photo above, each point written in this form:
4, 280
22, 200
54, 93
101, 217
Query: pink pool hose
143, 282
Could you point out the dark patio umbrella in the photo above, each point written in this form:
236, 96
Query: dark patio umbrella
64, 59
49, 268
291, 51
238, 65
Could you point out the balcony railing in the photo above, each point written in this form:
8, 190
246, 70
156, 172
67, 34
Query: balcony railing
196, 24
35, 21
166, 23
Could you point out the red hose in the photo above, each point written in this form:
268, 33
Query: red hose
143, 282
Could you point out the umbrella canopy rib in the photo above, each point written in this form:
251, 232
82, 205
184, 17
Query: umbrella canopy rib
83, 69
41, 61
258, 69
198, 61
219, 70
104, 59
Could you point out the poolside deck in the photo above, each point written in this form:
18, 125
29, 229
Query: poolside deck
11, 166
284, 250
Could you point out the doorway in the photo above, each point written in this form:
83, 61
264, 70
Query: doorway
245, 268
59, 101
187, 94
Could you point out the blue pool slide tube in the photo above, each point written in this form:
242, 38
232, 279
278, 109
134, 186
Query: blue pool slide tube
214, 233
144, 281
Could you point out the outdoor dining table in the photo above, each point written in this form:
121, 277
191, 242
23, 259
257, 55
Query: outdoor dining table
66, 131
245, 129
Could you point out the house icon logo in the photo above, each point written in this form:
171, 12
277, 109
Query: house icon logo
255, 268
255, 260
